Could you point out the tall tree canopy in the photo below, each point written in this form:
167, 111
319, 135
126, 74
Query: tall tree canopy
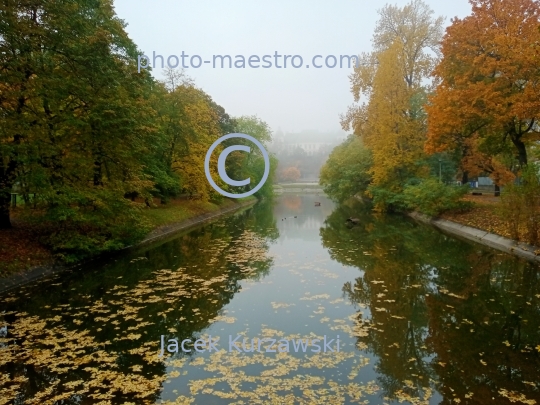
417, 32
488, 82
392, 78
74, 117
83, 133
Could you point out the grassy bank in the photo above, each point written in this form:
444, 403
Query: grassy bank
21, 249
482, 215
180, 210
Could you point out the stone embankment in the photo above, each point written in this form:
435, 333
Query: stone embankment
528, 252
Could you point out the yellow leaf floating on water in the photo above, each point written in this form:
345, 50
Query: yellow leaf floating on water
409, 383
320, 310
315, 297
133, 336
516, 397
277, 305
337, 301
226, 319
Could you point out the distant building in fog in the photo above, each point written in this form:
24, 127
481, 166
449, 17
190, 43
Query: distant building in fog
307, 151
311, 142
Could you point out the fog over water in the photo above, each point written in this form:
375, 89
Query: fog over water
287, 98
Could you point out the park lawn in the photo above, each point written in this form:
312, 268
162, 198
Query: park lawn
180, 210
483, 215
21, 250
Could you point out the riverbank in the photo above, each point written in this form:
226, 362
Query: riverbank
482, 215
176, 217
480, 224
30, 260
523, 250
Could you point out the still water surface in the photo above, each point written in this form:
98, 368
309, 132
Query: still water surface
422, 317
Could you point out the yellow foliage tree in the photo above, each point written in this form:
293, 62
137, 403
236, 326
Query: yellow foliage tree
392, 131
392, 122
192, 127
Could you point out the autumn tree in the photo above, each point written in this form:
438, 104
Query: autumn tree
488, 80
418, 32
251, 165
391, 78
238, 163
83, 133
75, 122
290, 174
189, 124
21, 37
393, 131
346, 172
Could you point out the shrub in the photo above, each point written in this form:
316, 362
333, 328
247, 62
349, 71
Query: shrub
433, 198
386, 200
519, 206
77, 228
510, 209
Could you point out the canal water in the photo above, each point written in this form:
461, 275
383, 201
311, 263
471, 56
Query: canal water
422, 317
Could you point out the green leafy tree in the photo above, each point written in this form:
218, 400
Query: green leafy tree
346, 172
76, 121
241, 165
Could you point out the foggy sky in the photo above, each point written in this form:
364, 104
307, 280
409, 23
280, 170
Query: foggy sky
287, 98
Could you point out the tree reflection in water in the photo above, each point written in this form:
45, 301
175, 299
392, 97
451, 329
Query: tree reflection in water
432, 318
93, 336
442, 314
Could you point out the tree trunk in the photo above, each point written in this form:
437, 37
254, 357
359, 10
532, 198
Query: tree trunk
6, 183
5, 201
522, 152
497, 191
465, 177
98, 177
132, 195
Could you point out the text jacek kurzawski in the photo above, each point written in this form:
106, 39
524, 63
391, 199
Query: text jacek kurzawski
244, 345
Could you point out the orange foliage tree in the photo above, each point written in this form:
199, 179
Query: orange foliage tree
290, 174
488, 83
475, 161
